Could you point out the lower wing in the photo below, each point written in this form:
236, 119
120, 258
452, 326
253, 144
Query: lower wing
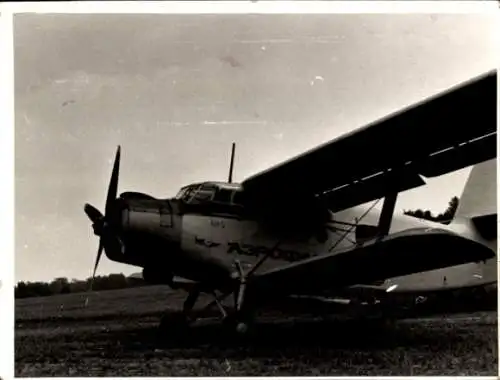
176, 282
399, 254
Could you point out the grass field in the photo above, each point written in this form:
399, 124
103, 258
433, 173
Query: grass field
114, 334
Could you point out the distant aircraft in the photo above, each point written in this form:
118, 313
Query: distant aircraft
303, 227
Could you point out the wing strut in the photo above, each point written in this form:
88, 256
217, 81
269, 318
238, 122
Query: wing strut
390, 198
385, 219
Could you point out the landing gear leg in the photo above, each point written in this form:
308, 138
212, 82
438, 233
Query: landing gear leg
190, 302
236, 320
178, 323
240, 320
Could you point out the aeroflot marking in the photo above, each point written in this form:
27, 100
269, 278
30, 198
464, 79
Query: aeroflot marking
256, 250
205, 243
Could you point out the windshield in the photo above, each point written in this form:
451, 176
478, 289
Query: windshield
180, 193
210, 192
186, 193
204, 193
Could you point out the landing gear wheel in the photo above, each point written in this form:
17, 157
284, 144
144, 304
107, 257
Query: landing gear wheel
173, 326
242, 328
238, 326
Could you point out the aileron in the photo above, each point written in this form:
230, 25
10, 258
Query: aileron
371, 188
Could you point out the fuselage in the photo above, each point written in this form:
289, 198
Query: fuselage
228, 239
199, 241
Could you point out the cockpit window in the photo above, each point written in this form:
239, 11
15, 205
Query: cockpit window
180, 193
187, 193
222, 197
204, 193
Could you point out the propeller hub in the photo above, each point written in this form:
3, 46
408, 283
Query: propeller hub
99, 227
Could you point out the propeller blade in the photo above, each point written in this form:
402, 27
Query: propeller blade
98, 258
93, 213
113, 183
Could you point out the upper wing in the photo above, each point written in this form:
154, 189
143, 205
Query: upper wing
445, 133
399, 254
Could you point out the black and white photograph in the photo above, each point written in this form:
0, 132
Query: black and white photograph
255, 194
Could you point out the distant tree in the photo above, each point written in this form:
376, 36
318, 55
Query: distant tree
117, 281
62, 285
21, 290
59, 285
428, 215
36, 289
417, 213
78, 286
447, 216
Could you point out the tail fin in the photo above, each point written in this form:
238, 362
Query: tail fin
478, 202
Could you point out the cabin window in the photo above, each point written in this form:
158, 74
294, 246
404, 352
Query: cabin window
365, 232
238, 197
223, 196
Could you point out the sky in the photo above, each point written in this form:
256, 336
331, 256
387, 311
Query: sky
176, 90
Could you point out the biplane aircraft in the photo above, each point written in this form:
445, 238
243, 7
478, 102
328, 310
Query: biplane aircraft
305, 226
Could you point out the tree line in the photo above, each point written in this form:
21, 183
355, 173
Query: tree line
445, 217
62, 285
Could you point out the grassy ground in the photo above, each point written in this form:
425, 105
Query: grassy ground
114, 334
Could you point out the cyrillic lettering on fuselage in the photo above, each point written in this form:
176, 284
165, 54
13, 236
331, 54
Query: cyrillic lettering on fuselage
257, 250
205, 243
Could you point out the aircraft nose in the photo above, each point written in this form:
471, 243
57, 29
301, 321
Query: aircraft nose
148, 230
142, 213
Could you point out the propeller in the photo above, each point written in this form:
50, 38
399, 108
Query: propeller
93, 213
100, 222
